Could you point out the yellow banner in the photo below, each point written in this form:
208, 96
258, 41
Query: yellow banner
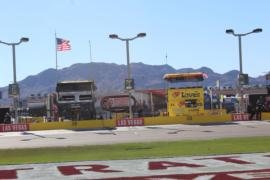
185, 101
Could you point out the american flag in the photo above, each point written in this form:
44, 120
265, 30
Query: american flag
62, 45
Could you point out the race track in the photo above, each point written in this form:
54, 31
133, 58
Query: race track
57, 138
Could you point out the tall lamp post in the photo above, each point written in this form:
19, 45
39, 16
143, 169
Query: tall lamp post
15, 96
115, 36
231, 31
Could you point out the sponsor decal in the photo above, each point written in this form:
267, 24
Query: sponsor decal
176, 93
130, 122
240, 167
183, 101
240, 117
14, 127
182, 104
190, 95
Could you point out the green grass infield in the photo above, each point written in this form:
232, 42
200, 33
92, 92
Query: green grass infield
136, 150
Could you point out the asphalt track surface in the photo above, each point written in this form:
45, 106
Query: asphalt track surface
62, 138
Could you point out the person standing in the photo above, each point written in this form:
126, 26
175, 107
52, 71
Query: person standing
7, 119
259, 107
251, 111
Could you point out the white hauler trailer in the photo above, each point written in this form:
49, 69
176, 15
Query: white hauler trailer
76, 100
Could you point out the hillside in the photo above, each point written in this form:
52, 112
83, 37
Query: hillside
109, 77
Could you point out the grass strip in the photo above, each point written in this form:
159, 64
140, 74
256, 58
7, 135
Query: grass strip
136, 150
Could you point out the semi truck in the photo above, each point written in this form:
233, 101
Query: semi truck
75, 100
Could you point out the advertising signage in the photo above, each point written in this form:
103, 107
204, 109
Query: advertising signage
129, 84
183, 101
13, 90
118, 103
243, 79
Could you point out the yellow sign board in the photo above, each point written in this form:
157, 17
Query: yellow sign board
185, 101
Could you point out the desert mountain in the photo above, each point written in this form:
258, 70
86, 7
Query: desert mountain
109, 77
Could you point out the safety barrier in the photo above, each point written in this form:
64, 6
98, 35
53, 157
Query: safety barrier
195, 119
89, 124
112, 123
265, 116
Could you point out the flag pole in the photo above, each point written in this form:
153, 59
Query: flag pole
56, 65
90, 59
90, 52
166, 57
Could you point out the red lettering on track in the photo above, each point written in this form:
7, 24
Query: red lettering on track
229, 160
229, 175
167, 164
77, 169
11, 173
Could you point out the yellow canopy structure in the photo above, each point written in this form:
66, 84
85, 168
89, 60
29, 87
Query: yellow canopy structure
185, 77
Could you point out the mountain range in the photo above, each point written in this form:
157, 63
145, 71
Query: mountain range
109, 78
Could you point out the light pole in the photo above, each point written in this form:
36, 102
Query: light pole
115, 36
15, 97
231, 31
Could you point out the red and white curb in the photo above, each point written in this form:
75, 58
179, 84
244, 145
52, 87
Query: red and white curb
222, 167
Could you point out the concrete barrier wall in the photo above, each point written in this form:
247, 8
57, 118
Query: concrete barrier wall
90, 124
210, 117
111, 123
265, 116
161, 120
195, 119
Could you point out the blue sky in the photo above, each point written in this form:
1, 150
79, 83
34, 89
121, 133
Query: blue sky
191, 32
